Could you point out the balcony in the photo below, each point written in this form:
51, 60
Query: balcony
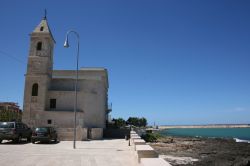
109, 108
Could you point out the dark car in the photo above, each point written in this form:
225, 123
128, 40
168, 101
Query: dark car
44, 134
14, 131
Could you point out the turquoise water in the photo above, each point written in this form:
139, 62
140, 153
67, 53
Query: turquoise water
240, 133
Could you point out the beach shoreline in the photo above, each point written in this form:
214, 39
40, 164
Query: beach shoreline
202, 151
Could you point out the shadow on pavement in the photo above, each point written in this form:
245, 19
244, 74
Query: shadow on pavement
5, 142
47, 143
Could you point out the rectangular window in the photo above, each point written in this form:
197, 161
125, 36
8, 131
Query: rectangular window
49, 121
53, 103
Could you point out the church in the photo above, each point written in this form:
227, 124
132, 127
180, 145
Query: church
49, 95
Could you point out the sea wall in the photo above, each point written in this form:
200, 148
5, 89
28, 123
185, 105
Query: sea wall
205, 126
145, 154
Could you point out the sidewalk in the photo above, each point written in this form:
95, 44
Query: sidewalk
114, 152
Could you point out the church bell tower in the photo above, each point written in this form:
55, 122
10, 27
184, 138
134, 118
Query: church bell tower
39, 72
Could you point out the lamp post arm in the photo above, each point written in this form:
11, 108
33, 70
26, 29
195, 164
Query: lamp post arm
76, 33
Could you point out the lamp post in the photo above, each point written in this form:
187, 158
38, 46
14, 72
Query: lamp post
66, 45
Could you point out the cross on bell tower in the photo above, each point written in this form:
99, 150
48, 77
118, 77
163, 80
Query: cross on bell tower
45, 14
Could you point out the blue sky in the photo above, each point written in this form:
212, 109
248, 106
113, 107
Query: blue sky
171, 61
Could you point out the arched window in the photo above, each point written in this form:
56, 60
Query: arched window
41, 29
35, 89
39, 46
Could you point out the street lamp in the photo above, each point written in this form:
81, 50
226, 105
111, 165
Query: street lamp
66, 45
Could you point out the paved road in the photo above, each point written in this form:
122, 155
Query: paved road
87, 153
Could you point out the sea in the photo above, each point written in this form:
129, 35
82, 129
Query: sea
238, 134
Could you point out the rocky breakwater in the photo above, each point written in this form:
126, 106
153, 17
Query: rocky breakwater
203, 151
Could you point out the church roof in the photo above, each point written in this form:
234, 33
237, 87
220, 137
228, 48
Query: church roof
43, 27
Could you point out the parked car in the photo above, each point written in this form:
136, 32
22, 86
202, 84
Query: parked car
14, 131
44, 134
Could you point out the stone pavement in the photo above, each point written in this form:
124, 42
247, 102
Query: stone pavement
114, 152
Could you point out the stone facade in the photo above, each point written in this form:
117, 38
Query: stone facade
49, 95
